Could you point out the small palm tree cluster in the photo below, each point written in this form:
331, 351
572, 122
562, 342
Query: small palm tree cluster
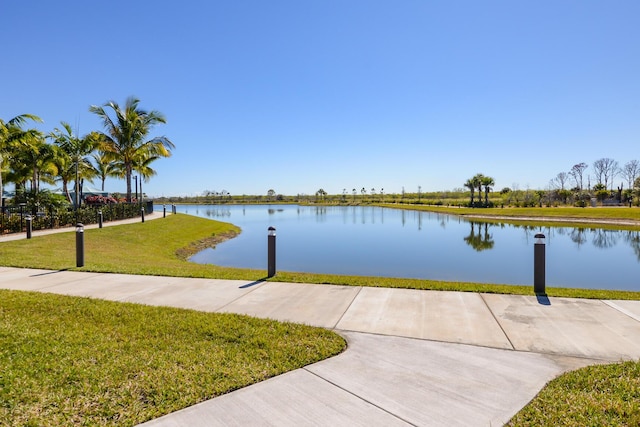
480, 181
29, 156
321, 195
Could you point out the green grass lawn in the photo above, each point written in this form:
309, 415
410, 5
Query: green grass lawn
79, 361
602, 395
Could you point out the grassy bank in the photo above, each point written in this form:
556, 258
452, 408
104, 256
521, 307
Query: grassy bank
153, 247
78, 361
161, 246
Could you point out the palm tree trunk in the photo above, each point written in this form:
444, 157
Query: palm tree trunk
65, 189
35, 180
81, 185
128, 176
1, 187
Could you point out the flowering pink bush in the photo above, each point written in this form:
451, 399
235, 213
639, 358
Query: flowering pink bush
99, 200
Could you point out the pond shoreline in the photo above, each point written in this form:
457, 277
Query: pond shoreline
568, 220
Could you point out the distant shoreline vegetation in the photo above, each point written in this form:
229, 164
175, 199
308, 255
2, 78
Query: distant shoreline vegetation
506, 198
558, 192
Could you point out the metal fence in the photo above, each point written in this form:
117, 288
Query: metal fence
13, 218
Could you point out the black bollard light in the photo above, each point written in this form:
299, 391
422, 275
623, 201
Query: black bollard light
173, 209
79, 245
539, 265
164, 211
29, 226
142, 214
100, 219
271, 252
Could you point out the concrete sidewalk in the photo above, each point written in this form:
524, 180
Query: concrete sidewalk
413, 358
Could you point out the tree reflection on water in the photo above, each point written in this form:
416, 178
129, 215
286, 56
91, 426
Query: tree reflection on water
482, 240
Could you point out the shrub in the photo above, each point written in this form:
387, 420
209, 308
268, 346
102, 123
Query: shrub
99, 200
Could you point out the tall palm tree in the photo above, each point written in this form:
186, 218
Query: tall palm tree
488, 184
472, 187
66, 171
43, 167
77, 150
477, 180
11, 133
126, 133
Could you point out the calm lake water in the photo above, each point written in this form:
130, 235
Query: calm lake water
373, 241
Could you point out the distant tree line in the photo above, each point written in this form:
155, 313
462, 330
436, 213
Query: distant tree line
577, 186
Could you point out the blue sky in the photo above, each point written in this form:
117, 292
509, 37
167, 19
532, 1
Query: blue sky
300, 95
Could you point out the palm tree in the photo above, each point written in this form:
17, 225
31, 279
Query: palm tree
141, 165
11, 133
66, 171
321, 194
33, 161
76, 149
477, 180
472, 187
124, 140
104, 167
488, 183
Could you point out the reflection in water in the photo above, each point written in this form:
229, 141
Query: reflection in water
371, 215
578, 236
633, 238
443, 220
217, 213
600, 238
321, 213
422, 245
604, 239
482, 240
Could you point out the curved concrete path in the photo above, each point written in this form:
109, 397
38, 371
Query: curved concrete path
414, 357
